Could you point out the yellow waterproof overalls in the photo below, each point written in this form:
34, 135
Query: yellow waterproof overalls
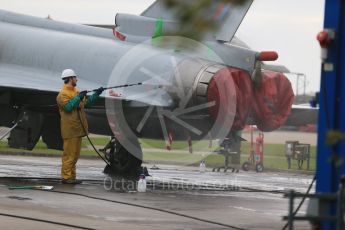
72, 129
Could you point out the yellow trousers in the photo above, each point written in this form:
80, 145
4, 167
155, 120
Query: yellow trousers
71, 152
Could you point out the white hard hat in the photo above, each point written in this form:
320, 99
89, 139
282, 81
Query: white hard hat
68, 73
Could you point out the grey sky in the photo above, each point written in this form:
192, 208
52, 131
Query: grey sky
287, 26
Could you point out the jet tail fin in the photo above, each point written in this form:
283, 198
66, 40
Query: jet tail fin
158, 10
228, 16
232, 20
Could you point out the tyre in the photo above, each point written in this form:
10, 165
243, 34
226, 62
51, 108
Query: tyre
246, 166
125, 162
259, 167
121, 161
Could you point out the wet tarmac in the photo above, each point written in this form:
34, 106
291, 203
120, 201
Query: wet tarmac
177, 197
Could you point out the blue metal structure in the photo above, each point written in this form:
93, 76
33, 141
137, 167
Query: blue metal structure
332, 104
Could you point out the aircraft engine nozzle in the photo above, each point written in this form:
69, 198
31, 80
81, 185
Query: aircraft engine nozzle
272, 101
227, 90
231, 89
230, 93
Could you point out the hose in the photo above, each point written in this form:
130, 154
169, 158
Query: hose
162, 210
45, 221
150, 208
302, 201
88, 138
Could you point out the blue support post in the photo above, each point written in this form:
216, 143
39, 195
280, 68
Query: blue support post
332, 104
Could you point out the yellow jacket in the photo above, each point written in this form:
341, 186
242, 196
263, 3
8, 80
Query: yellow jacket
70, 122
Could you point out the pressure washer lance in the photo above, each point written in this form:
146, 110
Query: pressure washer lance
117, 86
87, 136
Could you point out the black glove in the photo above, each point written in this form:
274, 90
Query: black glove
99, 91
82, 94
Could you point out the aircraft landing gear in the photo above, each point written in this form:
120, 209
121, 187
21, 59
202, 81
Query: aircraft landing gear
121, 161
231, 150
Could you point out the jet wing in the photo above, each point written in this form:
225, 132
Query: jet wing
19, 77
32, 79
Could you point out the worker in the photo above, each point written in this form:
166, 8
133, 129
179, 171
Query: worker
74, 125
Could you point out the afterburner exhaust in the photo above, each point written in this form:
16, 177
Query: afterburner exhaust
266, 103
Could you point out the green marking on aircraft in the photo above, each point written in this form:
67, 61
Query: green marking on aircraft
158, 30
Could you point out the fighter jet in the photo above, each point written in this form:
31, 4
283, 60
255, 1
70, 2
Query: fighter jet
184, 89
